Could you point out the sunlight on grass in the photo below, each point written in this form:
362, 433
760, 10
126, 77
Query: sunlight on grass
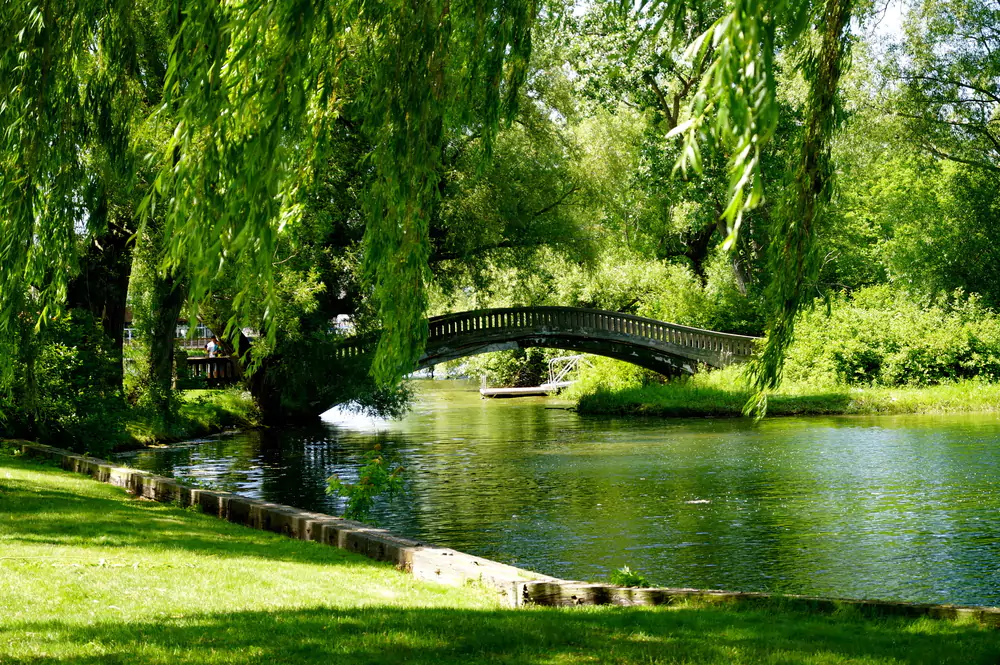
722, 393
200, 412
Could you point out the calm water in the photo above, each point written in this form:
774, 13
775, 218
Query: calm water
903, 508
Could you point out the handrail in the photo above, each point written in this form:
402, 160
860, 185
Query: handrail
511, 318
555, 309
577, 321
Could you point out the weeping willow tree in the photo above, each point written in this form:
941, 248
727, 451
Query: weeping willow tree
252, 89
736, 107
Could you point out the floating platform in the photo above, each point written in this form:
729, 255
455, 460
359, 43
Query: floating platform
530, 391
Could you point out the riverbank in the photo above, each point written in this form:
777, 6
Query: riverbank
721, 394
89, 573
200, 413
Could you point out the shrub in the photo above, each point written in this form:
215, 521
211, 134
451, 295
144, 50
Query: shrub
880, 337
65, 389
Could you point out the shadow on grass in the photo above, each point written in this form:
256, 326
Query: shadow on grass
87, 513
440, 636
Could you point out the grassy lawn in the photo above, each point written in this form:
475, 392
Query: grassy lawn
720, 393
91, 575
200, 412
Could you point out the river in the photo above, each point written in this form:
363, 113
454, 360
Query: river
893, 508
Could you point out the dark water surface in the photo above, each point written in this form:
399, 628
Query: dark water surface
904, 508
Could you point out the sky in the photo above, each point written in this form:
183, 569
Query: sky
888, 23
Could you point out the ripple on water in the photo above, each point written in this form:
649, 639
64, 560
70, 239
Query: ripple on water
901, 508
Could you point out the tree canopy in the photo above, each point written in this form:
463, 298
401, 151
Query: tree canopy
283, 160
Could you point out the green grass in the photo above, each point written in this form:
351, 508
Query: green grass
89, 575
201, 412
720, 393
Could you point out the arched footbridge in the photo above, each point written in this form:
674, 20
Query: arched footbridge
663, 347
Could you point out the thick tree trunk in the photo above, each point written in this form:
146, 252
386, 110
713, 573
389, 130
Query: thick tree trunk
101, 288
696, 244
166, 300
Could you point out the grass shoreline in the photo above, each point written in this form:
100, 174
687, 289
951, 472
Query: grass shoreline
90, 574
707, 396
200, 413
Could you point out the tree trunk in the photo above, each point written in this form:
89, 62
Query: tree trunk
101, 288
166, 300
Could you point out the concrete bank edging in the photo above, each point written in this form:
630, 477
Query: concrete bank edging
441, 564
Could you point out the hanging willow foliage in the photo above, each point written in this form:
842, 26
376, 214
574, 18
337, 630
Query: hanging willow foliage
251, 88
448, 66
40, 172
736, 107
792, 254
250, 91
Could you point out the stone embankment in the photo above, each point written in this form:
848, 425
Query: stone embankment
515, 586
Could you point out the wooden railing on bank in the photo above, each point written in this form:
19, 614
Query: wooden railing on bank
216, 371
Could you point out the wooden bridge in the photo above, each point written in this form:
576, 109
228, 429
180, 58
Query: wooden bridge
667, 348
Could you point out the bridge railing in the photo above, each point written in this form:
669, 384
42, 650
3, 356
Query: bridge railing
587, 320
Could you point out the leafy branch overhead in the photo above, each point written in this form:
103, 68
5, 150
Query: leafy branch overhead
252, 93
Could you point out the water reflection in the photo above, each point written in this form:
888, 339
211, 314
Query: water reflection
894, 508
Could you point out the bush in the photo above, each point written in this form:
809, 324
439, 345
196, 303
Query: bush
880, 337
65, 389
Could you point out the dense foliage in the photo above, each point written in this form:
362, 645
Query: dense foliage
879, 337
270, 167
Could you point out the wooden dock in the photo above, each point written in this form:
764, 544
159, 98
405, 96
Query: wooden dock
530, 391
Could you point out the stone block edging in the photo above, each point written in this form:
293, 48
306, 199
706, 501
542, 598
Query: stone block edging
426, 562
